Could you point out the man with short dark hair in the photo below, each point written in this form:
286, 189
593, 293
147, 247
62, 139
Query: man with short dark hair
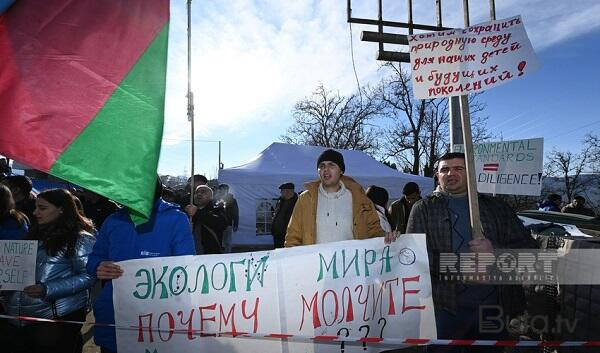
333, 208
400, 209
283, 213
444, 218
578, 207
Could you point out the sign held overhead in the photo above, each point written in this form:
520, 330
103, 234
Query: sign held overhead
463, 61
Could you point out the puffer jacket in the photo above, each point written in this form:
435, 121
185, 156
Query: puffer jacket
302, 229
167, 233
66, 281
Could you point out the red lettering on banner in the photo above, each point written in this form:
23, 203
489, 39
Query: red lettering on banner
141, 328
225, 319
190, 330
254, 314
171, 322
410, 291
336, 310
311, 307
202, 319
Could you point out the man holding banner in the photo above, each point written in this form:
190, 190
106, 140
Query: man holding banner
444, 218
333, 208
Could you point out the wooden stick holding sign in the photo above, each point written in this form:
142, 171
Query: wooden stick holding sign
476, 229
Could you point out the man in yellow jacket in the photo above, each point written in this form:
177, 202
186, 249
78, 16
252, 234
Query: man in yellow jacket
333, 208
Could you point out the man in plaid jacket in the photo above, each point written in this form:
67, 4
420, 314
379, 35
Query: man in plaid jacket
444, 218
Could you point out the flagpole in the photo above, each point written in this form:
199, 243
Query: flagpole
190, 95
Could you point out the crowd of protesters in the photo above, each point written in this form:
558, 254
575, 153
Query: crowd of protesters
82, 235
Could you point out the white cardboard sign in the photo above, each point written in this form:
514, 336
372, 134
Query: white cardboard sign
509, 167
350, 289
463, 61
17, 264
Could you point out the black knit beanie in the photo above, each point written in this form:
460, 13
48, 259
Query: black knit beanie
332, 156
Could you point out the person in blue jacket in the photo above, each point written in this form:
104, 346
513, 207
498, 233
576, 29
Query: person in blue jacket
167, 233
13, 224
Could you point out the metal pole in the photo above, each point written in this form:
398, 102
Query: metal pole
220, 164
466, 12
410, 17
438, 12
380, 22
190, 95
492, 10
476, 230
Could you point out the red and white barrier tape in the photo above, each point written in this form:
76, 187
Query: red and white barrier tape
331, 339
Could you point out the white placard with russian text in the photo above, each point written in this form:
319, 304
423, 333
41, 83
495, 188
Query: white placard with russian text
351, 289
462, 61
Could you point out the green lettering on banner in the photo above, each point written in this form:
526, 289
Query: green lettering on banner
385, 260
367, 262
332, 265
259, 272
232, 283
159, 281
354, 260
204, 281
147, 284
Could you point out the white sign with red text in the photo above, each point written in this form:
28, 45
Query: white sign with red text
352, 289
462, 61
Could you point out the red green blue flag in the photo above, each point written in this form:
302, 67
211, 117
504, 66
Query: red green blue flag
82, 88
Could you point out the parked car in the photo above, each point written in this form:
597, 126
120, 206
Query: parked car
586, 224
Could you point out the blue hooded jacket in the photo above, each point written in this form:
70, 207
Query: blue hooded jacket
167, 233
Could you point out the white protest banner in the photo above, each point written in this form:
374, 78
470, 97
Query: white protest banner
509, 167
462, 61
350, 289
17, 264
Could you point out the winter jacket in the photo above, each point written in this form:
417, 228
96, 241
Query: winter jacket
12, 229
167, 233
500, 225
66, 281
397, 212
232, 210
283, 213
302, 229
209, 224
549, 206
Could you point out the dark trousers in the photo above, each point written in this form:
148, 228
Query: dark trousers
463, 325
46, 337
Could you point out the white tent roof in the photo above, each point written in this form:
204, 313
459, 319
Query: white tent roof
280, 162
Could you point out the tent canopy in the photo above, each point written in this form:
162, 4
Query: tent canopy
257, 181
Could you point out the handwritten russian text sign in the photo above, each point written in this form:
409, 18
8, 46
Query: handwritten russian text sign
462, 61
509, 167
351, 289
17, 264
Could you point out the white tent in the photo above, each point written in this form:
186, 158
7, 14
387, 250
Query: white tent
255, 184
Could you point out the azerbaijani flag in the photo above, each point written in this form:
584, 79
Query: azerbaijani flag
82, 88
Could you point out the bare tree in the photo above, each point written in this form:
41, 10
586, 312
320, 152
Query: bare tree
419, 132
570, 166
332, 120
